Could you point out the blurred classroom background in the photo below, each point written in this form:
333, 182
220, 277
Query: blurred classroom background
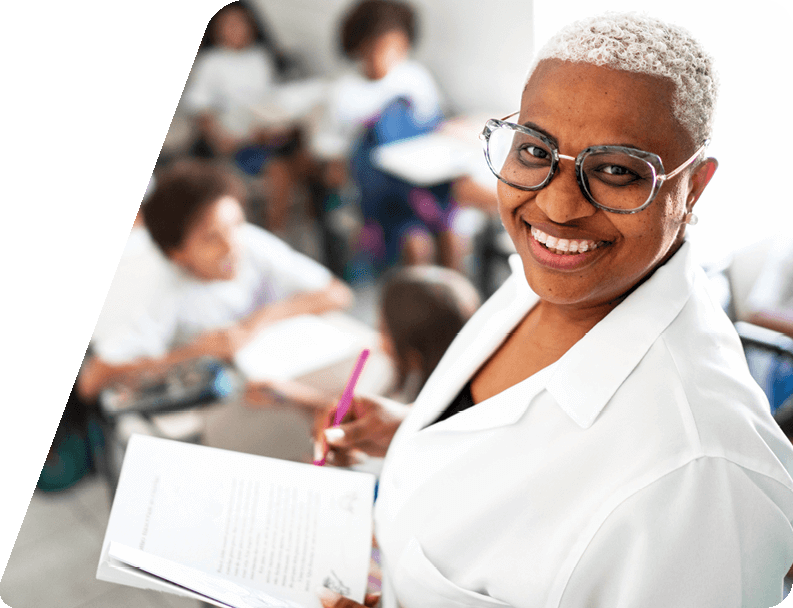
303, 184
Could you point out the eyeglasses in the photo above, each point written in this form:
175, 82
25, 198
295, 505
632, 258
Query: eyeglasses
618, 179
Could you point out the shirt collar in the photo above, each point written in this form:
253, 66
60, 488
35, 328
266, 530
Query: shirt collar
589, 374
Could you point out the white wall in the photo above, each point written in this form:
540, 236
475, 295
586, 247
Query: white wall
478, 51
750, 196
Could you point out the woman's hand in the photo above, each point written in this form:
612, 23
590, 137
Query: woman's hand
368, 427
331, 599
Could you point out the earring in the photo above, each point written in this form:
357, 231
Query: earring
690, 219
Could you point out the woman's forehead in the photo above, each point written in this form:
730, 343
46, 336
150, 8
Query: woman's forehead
581, 105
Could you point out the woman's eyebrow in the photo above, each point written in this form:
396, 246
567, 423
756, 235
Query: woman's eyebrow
539, 129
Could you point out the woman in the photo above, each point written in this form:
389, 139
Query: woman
618, 452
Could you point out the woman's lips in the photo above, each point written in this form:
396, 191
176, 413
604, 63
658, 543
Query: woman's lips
562, 254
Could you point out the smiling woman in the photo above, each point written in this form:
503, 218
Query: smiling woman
582, 105
612, 449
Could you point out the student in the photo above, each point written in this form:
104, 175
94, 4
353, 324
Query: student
219, 281
237, 68
388, 97
422, 308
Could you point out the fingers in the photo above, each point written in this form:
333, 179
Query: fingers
337, 458
349, 434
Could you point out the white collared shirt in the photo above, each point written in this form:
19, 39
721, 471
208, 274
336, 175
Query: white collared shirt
642, 469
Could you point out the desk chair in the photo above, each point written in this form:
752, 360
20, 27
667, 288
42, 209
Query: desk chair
770, 358
104, 427
769, 354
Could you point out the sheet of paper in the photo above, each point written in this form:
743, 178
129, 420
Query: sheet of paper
427, 160
295, 347
211, 588
279, 527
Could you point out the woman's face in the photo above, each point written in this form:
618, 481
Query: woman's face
581, 105
210, 250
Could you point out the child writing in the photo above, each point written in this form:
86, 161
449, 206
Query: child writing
218, 281
421, 310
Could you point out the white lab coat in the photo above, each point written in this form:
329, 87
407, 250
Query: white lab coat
641, 469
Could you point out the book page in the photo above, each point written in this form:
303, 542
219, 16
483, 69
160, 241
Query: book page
214, 589
281, 527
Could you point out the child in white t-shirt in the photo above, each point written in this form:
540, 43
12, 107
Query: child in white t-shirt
237, 68
388, 97
216, 281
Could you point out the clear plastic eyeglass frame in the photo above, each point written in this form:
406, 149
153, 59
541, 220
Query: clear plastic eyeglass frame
652, 159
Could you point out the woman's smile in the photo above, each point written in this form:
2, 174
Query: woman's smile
563, 253
561, 246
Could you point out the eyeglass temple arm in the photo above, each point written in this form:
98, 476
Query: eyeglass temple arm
687, 163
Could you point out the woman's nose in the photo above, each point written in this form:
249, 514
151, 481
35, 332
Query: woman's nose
562, 200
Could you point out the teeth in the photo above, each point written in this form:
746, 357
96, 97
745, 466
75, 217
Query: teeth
563, 245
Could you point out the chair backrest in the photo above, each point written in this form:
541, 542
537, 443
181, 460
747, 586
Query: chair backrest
770, 358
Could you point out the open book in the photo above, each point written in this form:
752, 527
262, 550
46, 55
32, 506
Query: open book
235, 529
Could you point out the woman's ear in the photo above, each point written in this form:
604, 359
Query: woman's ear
700, 178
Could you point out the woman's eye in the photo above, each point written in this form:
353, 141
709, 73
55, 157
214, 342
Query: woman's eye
535, 152
616, 170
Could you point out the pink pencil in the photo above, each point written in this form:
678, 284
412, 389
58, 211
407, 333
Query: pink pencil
345, 400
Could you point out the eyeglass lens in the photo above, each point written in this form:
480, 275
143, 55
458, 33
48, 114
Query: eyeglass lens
614, 179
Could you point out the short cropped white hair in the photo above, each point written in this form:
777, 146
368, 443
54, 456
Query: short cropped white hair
638, 43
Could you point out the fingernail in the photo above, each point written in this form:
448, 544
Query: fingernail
317, 451
334, 435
